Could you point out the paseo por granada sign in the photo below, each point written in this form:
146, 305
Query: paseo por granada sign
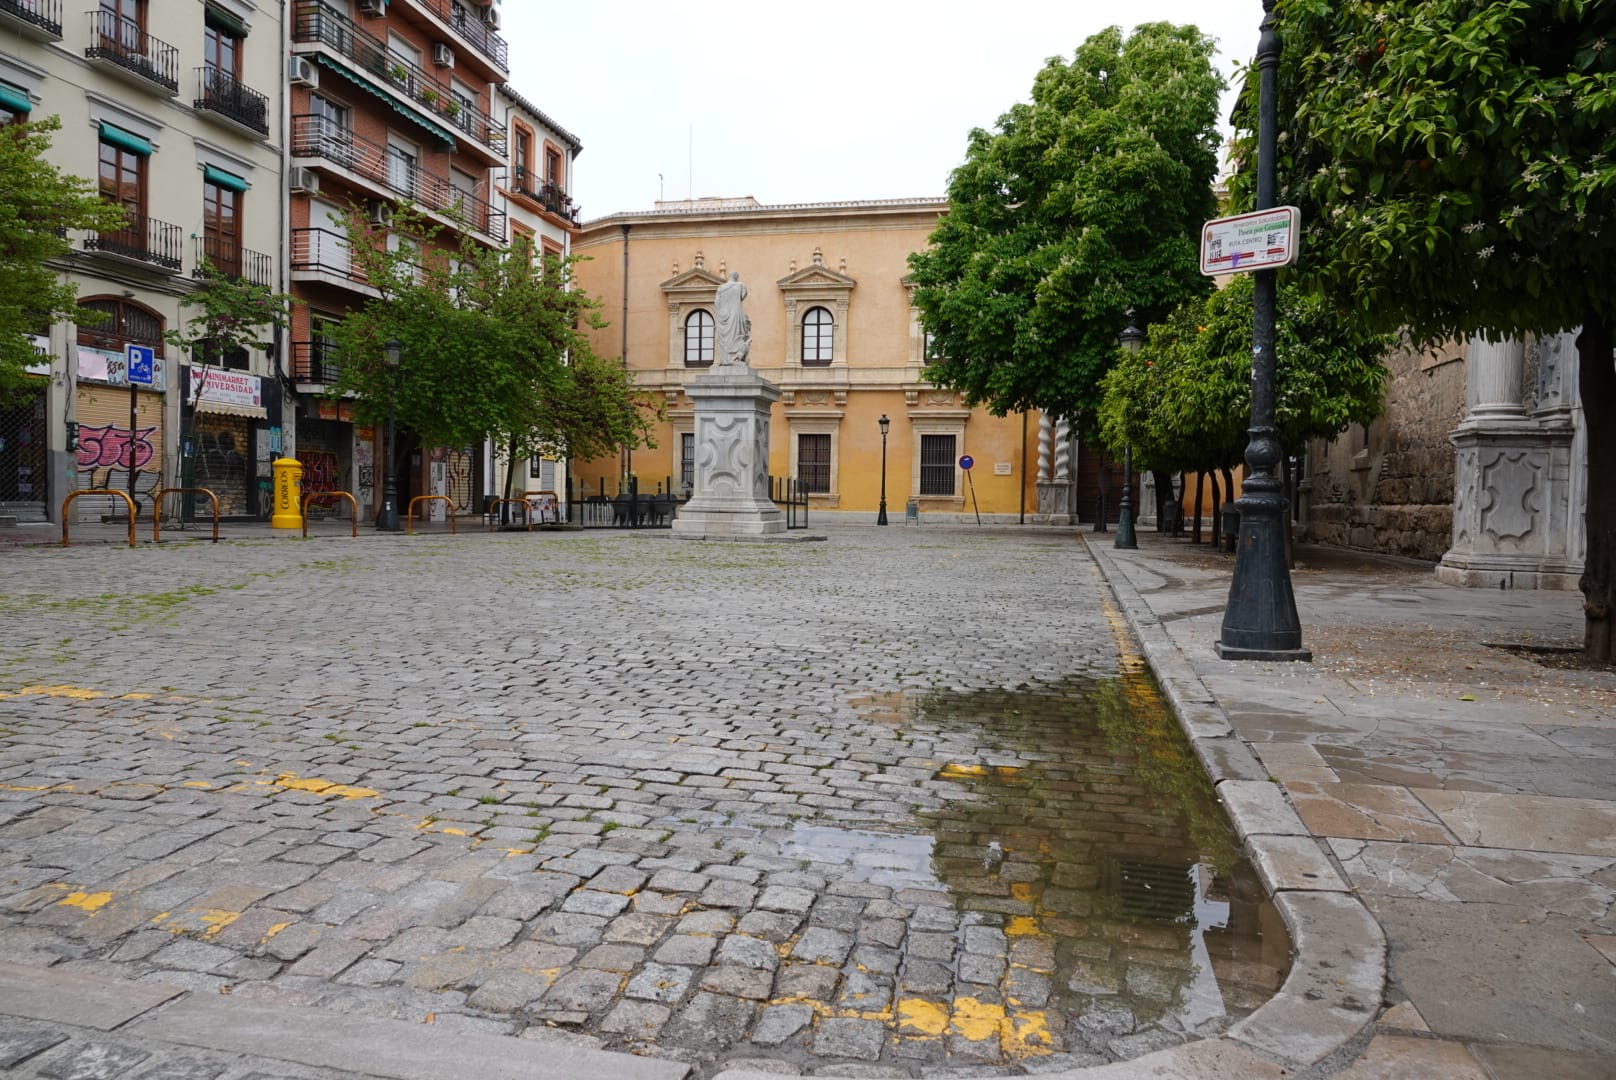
1264, 240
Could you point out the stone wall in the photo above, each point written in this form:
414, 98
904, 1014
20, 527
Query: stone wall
1390, 489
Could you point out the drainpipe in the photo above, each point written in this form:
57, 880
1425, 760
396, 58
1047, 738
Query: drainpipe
1021, 517
628, 451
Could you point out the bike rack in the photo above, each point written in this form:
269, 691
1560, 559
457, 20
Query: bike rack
157, 509
409, 516
99, 491
311, 496
526, 506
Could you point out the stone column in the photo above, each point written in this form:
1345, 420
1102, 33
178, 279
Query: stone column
1054, 484
1512, 484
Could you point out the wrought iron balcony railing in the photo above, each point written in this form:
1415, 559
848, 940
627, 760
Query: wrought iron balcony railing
318, 137
325, 251
221, 93
42, 16
318, 23
143, 239
233, 260
122, 42
316, 362
478, 34
546, 193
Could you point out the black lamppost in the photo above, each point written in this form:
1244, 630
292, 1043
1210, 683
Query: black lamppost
1260, 621
1130, 339
881, 518
388, 520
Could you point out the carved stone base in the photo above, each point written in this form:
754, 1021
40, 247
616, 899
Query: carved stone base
1055, 501
731, 495
1512, 518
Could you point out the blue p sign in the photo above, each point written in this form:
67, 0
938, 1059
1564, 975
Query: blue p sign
142, 361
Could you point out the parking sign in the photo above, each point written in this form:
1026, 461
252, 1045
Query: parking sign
142, 362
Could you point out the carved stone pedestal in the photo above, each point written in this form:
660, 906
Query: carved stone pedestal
1055, 502
732, 458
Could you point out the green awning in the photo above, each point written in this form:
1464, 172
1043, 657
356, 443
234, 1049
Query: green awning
220, 19
127, 140
14, 99
405, 111
223, 179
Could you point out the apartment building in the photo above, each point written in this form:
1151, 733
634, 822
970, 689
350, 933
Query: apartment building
173, 108
392, 101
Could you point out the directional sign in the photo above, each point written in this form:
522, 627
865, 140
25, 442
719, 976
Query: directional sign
142, 363
1265, 240
966, 462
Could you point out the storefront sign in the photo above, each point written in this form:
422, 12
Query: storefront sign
111, 367
225, 388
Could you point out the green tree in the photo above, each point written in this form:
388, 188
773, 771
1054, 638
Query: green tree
38, 204
232, 314
1183, 401
1083, 204
1455, 164
491, 347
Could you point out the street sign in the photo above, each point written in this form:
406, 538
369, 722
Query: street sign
966, 462
142, 363
1265, 240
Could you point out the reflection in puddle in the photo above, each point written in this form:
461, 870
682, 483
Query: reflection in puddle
1078, 891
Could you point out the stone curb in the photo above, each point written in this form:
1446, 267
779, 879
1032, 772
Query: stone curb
1338, 963
368, 1046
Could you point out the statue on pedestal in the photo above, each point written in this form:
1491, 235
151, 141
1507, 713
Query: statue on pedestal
734, 327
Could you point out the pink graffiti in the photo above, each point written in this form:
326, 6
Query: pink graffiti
108, 446
458, 479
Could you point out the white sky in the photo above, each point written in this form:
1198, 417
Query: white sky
720, 99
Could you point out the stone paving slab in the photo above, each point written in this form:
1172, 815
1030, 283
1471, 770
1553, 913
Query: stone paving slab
82, 1001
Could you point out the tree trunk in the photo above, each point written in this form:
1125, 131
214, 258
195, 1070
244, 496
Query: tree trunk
1166, 511
1597, 382
1200, 491
1217, 516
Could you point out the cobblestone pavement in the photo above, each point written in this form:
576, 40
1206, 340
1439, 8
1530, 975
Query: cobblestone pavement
841, 806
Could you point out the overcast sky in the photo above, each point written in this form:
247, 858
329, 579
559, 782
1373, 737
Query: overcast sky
802, 103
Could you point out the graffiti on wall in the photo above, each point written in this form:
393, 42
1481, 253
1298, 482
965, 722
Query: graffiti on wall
457, 478
322, 472
221, 467
105, 453
364, 458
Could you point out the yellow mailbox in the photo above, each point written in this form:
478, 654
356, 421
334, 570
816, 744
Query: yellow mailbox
288, 494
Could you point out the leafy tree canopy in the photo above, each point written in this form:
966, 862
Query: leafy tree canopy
38, 204
1183, 401
1454, 161
1081, 205
491, 347
231, 314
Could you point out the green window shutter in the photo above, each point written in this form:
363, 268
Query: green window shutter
126, 140
14, 99
220, 19
223, 179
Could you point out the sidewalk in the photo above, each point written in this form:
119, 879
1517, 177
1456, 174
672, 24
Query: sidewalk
1463, 793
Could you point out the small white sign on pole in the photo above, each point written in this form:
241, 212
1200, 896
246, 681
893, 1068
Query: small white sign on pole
1265, 240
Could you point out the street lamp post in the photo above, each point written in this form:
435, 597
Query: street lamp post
388, 520
881, 518
1130, 339
1260, 621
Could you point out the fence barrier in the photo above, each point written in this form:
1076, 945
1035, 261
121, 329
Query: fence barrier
493, 512
157, 509
311, 496
409, 516
99, 491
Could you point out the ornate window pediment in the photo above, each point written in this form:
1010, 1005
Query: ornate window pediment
687, 292
814, 288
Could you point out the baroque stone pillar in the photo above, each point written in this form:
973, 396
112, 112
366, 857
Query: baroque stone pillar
1054, 485
1513, 521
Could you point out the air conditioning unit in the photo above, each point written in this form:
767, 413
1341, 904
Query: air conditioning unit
379, 214
373, 7
302, 72
491, 17
443, 56
305, 180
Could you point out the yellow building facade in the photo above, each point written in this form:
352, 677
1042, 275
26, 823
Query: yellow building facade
834, 326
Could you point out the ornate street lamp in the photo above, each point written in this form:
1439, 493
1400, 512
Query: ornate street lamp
1260, 621
388, 520
881, 518
1130, 339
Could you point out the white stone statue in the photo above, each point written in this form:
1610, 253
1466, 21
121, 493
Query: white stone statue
734, 328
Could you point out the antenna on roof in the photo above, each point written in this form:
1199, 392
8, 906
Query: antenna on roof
690, 182
661, 188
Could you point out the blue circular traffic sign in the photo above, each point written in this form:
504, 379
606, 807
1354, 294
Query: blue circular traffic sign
966, 461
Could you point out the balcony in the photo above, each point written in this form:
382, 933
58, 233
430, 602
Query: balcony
233, 260
121, 43
316, 137
38, 19
315, 362
462, 19
222, 95
144, 240
324, 255
547, 194
318, 23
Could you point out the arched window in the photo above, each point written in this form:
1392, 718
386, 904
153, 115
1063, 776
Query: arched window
818, 335
699, 339
123, 323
